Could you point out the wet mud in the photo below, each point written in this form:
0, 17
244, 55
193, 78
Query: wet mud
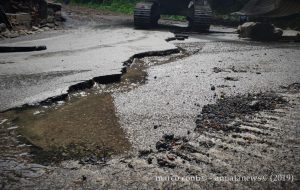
226, 110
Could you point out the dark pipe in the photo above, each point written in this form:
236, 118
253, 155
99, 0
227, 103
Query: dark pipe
7, 49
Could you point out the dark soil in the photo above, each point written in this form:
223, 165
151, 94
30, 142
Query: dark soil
218, 116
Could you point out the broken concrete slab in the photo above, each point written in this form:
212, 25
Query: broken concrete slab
67, 62
260, 31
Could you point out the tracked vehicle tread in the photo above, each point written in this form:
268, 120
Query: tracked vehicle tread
145, 15
202, 18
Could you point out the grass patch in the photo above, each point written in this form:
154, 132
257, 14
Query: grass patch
174, 17
121, 6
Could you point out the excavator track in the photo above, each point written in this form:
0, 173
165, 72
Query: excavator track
146, 15
202, 18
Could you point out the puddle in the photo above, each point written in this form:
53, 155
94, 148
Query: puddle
83, 126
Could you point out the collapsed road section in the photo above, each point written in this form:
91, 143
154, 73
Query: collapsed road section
222, 110
36, 76
216, 126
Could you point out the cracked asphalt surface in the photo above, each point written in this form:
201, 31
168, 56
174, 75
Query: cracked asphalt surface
170, 108
72, 56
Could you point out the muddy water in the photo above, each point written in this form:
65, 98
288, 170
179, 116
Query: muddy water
83, 126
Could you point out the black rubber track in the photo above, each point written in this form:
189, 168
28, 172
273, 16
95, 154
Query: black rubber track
202, 18
144, 15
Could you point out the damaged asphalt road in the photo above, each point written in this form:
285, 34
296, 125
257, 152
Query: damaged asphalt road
72, 57
220, 107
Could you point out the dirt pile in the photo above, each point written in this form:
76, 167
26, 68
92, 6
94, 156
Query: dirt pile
221, 116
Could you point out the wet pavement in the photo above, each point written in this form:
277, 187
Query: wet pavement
220, 109
72, 56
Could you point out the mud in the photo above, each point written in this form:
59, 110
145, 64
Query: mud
218, 116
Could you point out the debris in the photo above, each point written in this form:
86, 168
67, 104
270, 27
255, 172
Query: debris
23, 15
217, 70
171, 157
231, 78
55, 7
84, 178
3, 121
12, 128
149, 160
259, 31
219, 116
237, 70
157, 126
6, 49
164, 162
161, 145
20, 20
168, 136
145, 152
36, 112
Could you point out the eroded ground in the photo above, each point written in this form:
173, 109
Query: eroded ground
220, 113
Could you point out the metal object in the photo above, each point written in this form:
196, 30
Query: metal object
270, 8
198, 12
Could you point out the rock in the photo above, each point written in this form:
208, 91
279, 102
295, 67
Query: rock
50, 19
217, 70
149, 160
34, 28
50, 25
213, 88
259, 31
59, 17
11, 34
161, 145
2, 27
54, 6
171, 157
145, 152
163, 162
254, 104
231, 78
130, 165
168, 136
